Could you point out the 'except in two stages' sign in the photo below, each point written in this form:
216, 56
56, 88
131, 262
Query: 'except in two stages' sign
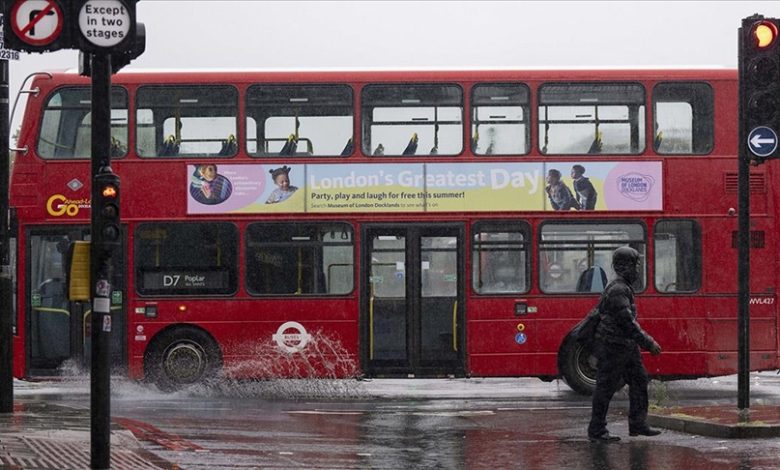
37, 22
104, 23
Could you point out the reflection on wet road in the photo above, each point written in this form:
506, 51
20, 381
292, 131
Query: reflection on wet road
540, 429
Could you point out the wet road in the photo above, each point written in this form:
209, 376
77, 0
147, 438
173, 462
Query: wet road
452, 424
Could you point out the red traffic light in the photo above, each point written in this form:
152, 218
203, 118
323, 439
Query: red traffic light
764, 34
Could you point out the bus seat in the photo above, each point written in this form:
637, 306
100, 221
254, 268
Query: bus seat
411, 147
379, 150
289, 146
229, 146
118, 149
349, 148
593, 279
595, 147
659, 138
169, 147
434, 151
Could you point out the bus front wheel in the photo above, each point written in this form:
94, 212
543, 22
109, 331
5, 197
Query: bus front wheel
181, 357
577, 365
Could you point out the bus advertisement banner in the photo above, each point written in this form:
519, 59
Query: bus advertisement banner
424, 187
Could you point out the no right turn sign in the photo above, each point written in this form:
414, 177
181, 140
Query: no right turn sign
37, 22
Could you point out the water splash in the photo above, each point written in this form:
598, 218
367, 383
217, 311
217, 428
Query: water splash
323, 369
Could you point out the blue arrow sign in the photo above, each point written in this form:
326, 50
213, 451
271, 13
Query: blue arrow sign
762, 141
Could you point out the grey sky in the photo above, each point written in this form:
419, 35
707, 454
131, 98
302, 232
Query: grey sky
258, 35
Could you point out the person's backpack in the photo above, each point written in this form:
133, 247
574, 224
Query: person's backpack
584, 332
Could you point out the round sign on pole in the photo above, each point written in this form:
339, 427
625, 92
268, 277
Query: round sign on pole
37, 22
762, 141
104, 23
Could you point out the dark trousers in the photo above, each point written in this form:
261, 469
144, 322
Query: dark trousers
618, 363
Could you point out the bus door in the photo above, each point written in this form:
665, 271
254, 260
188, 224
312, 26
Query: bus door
57, 330
412, 313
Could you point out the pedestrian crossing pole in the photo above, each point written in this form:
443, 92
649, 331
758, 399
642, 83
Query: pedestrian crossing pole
6, 288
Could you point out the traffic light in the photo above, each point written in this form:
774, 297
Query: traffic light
38, 26
108, 234
759, 82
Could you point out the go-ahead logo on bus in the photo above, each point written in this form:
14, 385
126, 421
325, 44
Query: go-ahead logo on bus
58, 205
291, 337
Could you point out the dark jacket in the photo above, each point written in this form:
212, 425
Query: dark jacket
618, 317
560, 197
586, 193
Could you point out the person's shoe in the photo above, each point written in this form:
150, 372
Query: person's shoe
606, 437
645, 431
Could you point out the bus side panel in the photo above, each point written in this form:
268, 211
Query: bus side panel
248, 333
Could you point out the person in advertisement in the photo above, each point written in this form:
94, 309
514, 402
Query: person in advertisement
583, 188
284, 190
561, 198
617, 342
208, 186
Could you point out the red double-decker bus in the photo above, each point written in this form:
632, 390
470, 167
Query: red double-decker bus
392, 223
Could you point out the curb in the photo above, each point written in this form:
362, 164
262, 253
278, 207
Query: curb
693, 425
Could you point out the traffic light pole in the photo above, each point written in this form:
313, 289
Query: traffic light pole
743, 251
6, 288
101, 269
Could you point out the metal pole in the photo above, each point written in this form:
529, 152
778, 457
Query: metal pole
743, 254
6, 288
101, 270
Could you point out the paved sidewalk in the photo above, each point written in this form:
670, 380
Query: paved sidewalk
721, 421
44, 436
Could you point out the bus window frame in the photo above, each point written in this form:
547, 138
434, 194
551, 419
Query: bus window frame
44, 107
233, 271
697, 238
497, 226
302, 85
646, 269
318, 223
711, 123
185, 85
528, 119
367, 110
641, 125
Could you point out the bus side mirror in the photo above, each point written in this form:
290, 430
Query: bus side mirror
78, 269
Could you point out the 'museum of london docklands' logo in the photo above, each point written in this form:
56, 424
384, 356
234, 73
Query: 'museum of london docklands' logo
635, 186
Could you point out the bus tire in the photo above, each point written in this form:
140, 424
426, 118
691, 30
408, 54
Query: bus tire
181, 357
577, 366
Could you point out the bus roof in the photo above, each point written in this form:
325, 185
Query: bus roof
139, 76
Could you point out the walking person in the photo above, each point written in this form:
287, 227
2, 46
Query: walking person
618, 339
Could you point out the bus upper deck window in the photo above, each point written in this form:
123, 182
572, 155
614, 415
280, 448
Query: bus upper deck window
591, 118
683, 118
187, 121
299, 120
412, 119
500, 123
66, 127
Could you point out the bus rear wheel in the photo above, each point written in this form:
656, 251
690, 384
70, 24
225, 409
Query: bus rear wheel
577, 365
182, 357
